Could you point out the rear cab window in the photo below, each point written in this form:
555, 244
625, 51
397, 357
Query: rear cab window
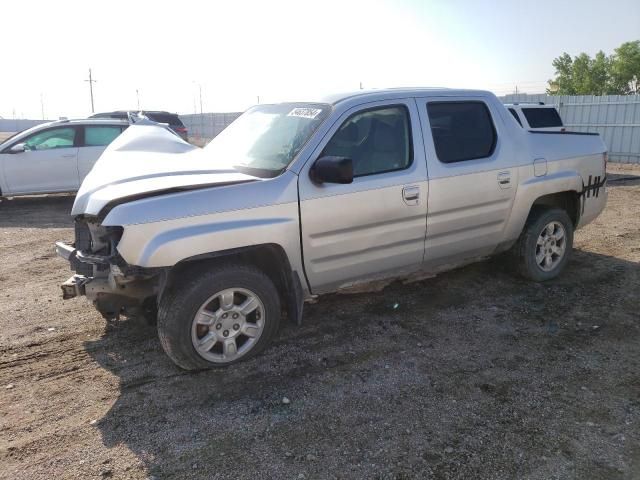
461, 130
513, 112
542, 117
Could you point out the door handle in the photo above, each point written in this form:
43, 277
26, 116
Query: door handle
69, 155
504, 179
411, 195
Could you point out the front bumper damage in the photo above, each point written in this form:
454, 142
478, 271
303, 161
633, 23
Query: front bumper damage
111, 285
74, 286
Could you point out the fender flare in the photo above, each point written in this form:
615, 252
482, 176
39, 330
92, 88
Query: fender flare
528, 192
287, 280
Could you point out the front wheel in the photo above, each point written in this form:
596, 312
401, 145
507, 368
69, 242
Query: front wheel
218, 317
545, 245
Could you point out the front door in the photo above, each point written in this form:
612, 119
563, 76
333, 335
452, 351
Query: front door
48, 164
375, 226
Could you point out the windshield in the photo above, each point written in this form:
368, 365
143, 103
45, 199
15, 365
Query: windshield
266, 138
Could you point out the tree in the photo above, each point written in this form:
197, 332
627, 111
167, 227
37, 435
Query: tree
618, 74
625, 68
581, 75
600, 68
563, 83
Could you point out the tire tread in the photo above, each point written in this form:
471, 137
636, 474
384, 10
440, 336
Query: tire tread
177, 302
521, 260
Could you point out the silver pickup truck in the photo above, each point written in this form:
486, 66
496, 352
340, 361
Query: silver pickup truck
298, 199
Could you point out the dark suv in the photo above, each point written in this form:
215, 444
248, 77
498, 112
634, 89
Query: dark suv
157, 116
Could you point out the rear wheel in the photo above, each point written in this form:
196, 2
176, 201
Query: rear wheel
545, 245
218, 317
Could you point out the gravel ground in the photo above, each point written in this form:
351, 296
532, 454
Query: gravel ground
473, 374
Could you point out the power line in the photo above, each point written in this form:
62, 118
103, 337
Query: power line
91, 82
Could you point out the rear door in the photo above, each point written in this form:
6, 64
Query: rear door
48, 164
95, 139
472, 177
376, 225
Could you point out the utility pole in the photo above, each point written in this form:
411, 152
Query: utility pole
258, 99
138, 98
91, 82
200, 88
42, 105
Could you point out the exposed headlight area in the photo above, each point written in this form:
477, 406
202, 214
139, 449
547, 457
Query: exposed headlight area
101, 274
95, 246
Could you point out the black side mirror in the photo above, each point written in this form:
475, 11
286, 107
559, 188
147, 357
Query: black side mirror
331, 169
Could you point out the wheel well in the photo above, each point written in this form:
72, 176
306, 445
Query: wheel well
269, 258
569, 201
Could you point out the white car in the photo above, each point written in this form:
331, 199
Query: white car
54, 157
536, 116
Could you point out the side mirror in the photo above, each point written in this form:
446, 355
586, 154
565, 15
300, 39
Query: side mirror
17, 148
331, 169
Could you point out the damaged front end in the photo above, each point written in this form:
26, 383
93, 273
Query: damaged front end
114, 287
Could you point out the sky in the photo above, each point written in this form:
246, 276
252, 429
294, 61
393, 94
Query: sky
233, 54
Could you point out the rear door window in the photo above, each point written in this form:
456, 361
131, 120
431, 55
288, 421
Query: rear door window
100, 135
461, 130
542, 117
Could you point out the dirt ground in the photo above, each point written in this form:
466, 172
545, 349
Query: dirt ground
474, 374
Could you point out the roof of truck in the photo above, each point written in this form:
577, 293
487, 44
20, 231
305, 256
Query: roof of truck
529, 105
374, 94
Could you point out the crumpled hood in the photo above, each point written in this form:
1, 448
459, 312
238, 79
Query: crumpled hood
148, 159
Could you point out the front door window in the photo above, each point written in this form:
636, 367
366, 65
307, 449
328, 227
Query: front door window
51, 138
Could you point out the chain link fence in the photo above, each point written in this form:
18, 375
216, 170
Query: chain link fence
203, 127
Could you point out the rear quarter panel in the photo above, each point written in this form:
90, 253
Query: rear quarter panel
570, 161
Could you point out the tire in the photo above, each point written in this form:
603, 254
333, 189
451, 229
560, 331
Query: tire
149, 311
527, 252
205, 308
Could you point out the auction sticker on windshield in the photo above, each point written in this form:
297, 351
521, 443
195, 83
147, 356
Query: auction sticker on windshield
304, 112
